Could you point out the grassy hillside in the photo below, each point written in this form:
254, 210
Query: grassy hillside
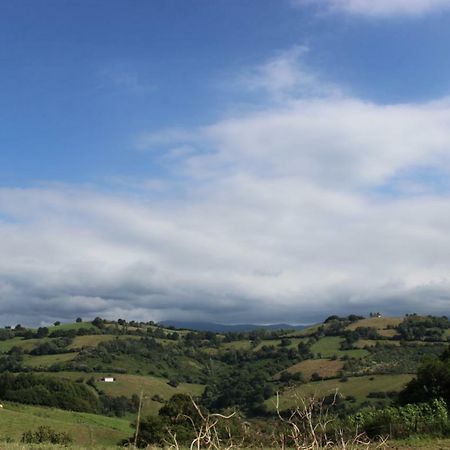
380, 323
44, 361
357, 387
85, 429
127, 385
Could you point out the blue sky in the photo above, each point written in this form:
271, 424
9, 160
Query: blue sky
80, 80
223, 159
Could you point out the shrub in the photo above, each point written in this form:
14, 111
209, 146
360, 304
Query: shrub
158, 398
173, 382
316, 377
404, 421
46, 435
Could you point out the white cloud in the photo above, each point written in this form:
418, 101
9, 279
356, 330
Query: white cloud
381, 8
283, 216
286, 75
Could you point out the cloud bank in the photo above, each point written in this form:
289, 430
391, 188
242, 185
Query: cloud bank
314, 205
380, 8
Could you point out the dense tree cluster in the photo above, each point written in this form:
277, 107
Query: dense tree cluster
40, 390
118, 406
52, 347
423, 328
244, 388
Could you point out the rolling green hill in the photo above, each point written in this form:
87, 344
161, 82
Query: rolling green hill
367, 361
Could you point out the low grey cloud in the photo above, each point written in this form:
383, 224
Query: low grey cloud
291, 212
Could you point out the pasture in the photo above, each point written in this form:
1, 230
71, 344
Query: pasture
85, 429
326, 368
329, 346
359, 387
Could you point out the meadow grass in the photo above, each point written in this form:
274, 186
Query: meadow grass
128, 385
326, 368
133, 384
48, 360
85, 429
330, 346
361, 343
236, 345
277, 342
72, 326
384, 325
25, 344
92, 340
359, 387
305, 331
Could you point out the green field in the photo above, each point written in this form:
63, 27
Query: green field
131, 384
72, 326
330, 346
359, 387
128, 385
384, 325
44, 361
25, 344
236, 345
305, 331
361, 343
93, 340
85, 429
324, 367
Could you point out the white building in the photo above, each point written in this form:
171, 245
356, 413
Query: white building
107, 379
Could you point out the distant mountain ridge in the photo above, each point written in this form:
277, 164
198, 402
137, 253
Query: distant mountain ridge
222, 328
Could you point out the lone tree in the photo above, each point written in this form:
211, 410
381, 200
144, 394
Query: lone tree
42, 332
98, 322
